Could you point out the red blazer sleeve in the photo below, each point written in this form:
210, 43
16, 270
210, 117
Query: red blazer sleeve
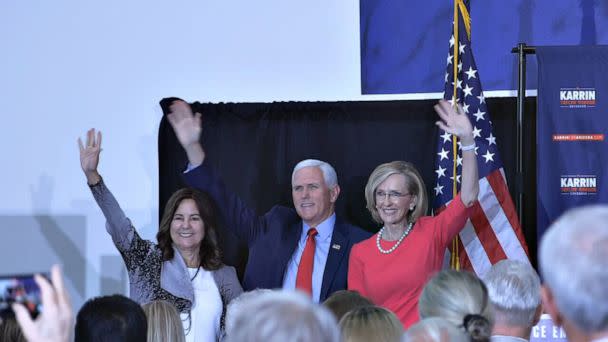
451, 220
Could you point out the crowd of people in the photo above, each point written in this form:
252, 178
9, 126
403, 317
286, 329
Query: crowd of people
311, 276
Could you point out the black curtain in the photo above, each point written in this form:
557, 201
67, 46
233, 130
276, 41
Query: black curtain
255, 146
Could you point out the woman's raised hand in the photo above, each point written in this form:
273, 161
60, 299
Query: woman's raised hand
454, 121
89, 155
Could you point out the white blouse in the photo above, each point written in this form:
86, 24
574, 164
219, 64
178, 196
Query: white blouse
204, 321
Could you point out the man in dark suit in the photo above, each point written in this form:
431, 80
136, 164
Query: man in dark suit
306, 248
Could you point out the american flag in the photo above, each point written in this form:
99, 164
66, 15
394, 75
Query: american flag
493, 232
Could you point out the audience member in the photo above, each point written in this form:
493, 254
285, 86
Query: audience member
435, 329
343, 301
240, 302
163, 322
573, 258
9, 329
283, 316
462, 299
370, 323
54, 323
113, 318
514, 290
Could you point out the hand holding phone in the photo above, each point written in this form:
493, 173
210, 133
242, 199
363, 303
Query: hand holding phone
19, 289
54, 323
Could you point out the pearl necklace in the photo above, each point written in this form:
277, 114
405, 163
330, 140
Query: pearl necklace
406, 232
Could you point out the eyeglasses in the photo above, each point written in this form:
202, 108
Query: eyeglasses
392, 195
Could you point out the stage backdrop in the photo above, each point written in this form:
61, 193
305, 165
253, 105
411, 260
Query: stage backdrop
403, 42
572, 125
254, 146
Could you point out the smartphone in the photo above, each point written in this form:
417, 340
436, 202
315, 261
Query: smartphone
19, 289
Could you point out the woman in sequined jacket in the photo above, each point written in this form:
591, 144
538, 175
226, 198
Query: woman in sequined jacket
184, 267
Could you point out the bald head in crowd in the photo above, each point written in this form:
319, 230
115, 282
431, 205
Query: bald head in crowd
573, 260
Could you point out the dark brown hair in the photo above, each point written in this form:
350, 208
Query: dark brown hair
209, 253
343, 301
9, 328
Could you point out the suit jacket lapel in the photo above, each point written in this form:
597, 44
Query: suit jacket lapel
337, 252
288, 245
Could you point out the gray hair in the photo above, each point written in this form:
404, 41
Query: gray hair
370, 323
237, 304
329, 174
283, 316
414, 183
435, 329
462, 299
573, 259
514, 289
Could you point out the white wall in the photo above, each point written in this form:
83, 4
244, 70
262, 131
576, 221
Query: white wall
66, 66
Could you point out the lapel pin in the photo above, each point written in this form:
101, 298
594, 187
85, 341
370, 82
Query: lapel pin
336, 246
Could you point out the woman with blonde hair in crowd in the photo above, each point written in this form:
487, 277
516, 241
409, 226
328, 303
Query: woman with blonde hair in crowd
370, 323
164, 324
462, 299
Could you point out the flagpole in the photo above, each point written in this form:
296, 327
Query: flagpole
455, 258
455, 93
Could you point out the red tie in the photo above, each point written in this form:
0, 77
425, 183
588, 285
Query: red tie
304, 276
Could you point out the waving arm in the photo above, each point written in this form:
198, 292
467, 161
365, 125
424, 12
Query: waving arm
455, 121
188, 128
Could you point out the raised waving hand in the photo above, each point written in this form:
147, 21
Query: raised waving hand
188, 128
89, 155
454, 121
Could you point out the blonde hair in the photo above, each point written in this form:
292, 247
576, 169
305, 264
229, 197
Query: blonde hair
462, 299
164, 323
371, 323
413, 181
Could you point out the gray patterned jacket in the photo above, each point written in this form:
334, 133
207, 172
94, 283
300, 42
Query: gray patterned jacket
151, 278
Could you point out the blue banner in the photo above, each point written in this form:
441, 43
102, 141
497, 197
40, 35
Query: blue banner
572, 155
403, 42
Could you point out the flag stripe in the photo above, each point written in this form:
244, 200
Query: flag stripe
465, 261
499, 186
483, 227
502, 227
474, 248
